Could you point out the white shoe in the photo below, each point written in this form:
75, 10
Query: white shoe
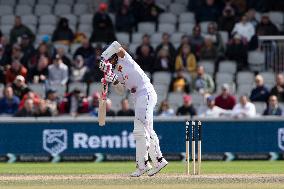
160, 166
140, 172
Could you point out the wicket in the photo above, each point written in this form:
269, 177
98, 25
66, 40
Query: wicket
193, 129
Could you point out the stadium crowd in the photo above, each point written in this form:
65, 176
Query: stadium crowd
25, 62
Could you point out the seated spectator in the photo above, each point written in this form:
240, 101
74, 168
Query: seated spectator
65, 59
74, 103
39, 73
237, 51
187, 108
166, 44
146, 60
165, 110
196, 40
278, 89
209, 11
260, 93
125, 17
179, 83
16, 69
52, 101
78, 70
251, 17
15, 54
30, 95
149, 11
216, 38
244, 109
19, 87
58, 72
125, 110
273, 108
164, 61
9, 103
212, 111
43, 110
18, 30
266, 27
227, 20
208, 51
109, 111
145, 41
203, 83
42, 51
244, 28
186, 60
103, 30
184, 40
225, 100
62, 33
86, 49
94, 104
27, 49
28, 110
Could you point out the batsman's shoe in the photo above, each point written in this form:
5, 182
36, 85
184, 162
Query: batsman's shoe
140, 172
161, 164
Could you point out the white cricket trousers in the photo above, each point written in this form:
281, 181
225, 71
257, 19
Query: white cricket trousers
147, 142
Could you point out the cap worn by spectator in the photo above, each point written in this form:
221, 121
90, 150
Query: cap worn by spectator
225, 86
20, 78
210, 98
187, 98
103, 7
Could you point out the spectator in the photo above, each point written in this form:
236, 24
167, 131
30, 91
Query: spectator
278, 89
9, 103
184, 40
109, 111
203, 82
166, 44
266, 27
125, 110
225, 100
208, 51
273, 108
27, 49
65, 59
179, 83
86, 50
227, 21
94, 103
58, 72
30, 95
16, 69
260, 93
244, 109
251, 17
19, 30
149, 11
42, 50
145, 41
19, 87
74, 103
125, 17
28, 110
146, 60
39, 73
213, 33
103, 30
196, 40
244, 28
52, 101
237, 51
164, 61
43, 110
187, 108
212, 110
209, 11
165, 110
186, 60
78, 71
63, 34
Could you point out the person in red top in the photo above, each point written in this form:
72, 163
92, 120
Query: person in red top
225, 100
16, 69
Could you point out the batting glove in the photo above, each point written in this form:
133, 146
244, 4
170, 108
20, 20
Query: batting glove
110, 77
105, 66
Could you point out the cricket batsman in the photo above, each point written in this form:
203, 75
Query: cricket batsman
127, 74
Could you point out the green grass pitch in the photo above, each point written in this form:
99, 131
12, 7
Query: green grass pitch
238, 174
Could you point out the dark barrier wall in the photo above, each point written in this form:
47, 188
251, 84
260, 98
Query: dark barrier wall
71, 136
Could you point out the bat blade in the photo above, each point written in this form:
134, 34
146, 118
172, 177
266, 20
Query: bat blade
102, 112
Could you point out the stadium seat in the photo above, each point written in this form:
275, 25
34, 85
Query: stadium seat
38, 88
222, 78
46, 29
164, 2
175, 100
32, 27
60, 9
79, 85
228, 66
176, 37
156, 38
258, 16
85, 28
7, 19
122, 37
149, 75
256, 60
259, 107
244, 89
46, 2
187, 17
80, 9
244, 77
39, 38
2, 86
146, 27
94, 87
269, 77
133, 47
21, 10
47, 19
41, 10
29, 19
6, 10
67, 2
60, 89
162, 77
177, 8
232, 87
86, 19
209, 66
168, 18
61, 46
71, 18
186, 28
26, 2
224, 37
166, 28
276, 17
112, 17
6, 29
161, 89
197, 99
10, 3
116, 102
204, 26
74, 47
137, 37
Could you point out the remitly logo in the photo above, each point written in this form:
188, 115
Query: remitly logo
82, 140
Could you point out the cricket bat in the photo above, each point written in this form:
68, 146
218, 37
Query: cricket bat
102, 104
